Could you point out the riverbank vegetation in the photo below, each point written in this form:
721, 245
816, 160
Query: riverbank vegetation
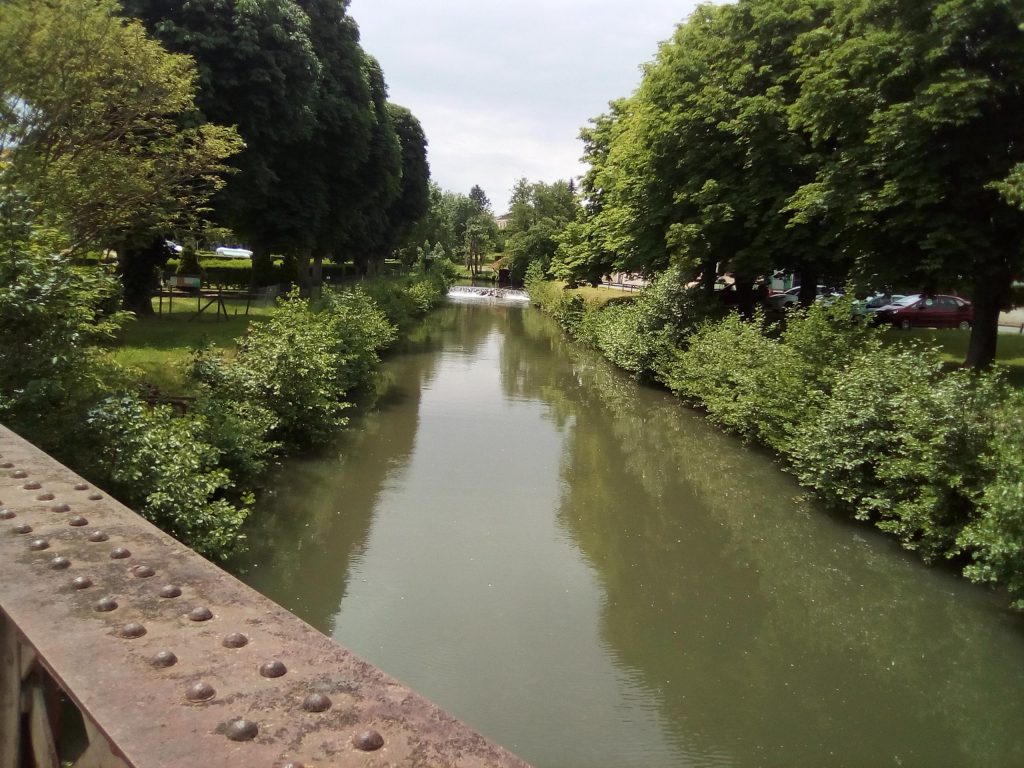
872, 142
887, 433
868, 143
192, 466
127, 126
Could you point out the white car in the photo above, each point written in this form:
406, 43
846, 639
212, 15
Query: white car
791, 297
234, 253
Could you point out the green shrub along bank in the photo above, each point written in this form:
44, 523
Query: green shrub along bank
885, 433
194, 473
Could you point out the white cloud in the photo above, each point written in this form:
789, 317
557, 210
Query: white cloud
502, 89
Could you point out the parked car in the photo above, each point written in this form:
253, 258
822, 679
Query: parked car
790, 297
870, 305
234, 253
919, 311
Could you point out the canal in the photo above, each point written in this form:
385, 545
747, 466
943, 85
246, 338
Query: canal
587, 572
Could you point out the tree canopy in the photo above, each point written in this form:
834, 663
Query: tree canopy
538, 213
323, 168
94, 124
871, 140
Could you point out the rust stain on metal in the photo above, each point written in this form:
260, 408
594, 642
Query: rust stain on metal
330, 709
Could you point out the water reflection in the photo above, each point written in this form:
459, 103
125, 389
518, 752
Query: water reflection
585, 571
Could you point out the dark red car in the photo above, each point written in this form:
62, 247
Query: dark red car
919, 311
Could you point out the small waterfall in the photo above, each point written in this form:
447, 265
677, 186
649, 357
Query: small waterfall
480, 292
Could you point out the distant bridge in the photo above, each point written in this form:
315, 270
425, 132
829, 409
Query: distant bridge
121, 647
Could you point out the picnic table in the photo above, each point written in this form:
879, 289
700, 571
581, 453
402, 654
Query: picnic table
186, 287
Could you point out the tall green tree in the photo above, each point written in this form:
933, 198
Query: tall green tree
378, 180
480, 199
920, 108
259, 71
94, 127
698, 166
413, 199
538, 214
584, 251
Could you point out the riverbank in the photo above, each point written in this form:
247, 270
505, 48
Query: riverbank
184, 416
882, 432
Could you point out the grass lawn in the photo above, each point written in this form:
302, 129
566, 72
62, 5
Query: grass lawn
159, 348
1009, 352
602, 295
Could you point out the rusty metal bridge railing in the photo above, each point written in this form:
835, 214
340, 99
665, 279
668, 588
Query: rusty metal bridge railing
120, 646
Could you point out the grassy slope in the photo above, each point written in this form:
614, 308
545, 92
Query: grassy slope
159, 348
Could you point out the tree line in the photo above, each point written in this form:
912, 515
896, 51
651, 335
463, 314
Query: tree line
126, 125
871, 141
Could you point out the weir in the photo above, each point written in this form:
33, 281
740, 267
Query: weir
482, 292
120, 646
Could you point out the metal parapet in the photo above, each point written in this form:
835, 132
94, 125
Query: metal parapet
170, 660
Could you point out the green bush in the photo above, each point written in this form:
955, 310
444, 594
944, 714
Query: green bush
904, 443
887, 433
240, 431
55, 317
637, 333
570, 310
740, 375
408, 298
302, 363
995, 536
159, 464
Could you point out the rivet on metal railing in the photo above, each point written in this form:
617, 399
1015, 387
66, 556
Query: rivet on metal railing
316, 702
200, 691
368, 741
132, 630
273, 668
106, 604
235, 640
81, 582
241, 730
163, 659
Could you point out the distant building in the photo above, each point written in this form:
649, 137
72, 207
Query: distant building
503, 220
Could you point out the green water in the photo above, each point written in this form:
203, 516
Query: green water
588, 573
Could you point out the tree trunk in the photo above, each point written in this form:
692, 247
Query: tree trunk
138, 269
989, 295
304, 274
262, 267
708, 276
745, 297
317, 275
808, 285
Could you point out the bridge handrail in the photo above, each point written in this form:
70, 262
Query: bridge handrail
172, 661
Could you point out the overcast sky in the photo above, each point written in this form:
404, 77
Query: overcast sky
502, 89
